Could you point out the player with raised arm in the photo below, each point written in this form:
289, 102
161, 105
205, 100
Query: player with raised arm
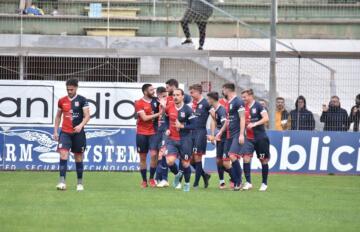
256, 138
147, 110
179, 142
235, 131
218, 114
162, 168
201, 109
73, 111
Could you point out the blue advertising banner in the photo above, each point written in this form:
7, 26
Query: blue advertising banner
113, 149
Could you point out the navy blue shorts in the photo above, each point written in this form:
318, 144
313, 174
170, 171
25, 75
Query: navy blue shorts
146, 143
74, 142
160, 139
221, 151
181, 148
260, 146
199, 140
233, 146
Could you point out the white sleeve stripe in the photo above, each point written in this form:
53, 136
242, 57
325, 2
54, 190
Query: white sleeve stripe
241, 109
140, 111
86, 107
223, 119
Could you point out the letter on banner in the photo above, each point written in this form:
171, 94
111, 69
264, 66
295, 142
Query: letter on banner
25, 152
335, 159
10, 152
286, 149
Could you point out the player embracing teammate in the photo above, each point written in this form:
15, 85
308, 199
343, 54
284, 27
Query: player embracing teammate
256, 140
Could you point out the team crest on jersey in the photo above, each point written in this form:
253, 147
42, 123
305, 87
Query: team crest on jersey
182, 114
253, 110
230, 106
77, 104
200, 106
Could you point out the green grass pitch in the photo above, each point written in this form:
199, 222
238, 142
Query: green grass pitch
114, 202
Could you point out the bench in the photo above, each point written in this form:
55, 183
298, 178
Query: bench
113, 31
129, 12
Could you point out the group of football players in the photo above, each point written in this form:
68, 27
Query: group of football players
173, 125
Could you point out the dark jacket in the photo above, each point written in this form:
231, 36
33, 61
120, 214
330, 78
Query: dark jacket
200, 7
304, 116
335, 119
355, 118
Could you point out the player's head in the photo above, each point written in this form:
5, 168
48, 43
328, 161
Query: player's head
178, 96
72, 86
148, 90
280, 103
161, 92
247, 95
213, 98
227, 89
263, 103
195, 91
357, 100
171, 85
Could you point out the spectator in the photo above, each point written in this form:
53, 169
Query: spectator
354, 116
33, 10
301, 118
263, 103
199, 13
282, 121
334, 117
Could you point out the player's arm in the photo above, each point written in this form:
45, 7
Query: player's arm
222, 130
57, 124
146, 118
241, 112
189, 124
211, 137
262, 121
85, 120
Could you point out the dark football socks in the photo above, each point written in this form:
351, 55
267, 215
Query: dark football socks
152, 172
62, 169
247, 172
187, 174
265, 173
174, 169
79, 171
143, 174
198, 173
220, 170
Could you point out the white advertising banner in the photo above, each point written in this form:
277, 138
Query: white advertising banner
30, 103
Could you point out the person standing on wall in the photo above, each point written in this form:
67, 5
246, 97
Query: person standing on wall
198, 12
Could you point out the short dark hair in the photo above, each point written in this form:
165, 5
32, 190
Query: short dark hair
230, 86
72, 82
335, 96
213, 95
172, 82
196, 87
181, 90
248, 91
145, 87
280, 98
160, 90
